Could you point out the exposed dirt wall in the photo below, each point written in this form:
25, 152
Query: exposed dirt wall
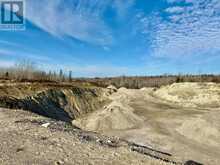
61, 104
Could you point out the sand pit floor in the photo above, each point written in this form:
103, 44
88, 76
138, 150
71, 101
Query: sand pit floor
142, 116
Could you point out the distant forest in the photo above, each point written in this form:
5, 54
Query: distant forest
138, 82
25, 71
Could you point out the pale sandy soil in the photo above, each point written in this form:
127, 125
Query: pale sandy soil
192, 94
182, 119
24, 141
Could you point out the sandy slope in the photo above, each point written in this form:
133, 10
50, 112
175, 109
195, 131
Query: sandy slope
118, 115
191, 94
115, 116
182, 119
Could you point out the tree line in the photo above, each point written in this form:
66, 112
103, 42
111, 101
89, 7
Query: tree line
137, 82
26, 70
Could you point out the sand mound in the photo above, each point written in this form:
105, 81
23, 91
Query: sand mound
112, 87
122, 89
110, 90
191, 94
201, 131
115, 116
144, 89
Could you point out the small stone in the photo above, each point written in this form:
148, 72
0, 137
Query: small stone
115, 154
45, 125
191, 162
59, 162
109, 141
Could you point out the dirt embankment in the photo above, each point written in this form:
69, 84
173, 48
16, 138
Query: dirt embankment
58, 102
191, 94
181, 119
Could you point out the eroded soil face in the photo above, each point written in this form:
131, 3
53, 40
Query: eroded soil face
181, 119
55, 100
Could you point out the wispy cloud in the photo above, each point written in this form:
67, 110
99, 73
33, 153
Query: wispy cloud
175, 9
79, 19
5, 42
15, 54
86, 70
191, 27
99, 70
122, 6
4, 52
6, 63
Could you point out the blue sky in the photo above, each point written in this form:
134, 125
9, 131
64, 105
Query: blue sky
117, 37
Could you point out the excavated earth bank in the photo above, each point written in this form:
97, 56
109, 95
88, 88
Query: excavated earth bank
36, 144
174, 123
58, 102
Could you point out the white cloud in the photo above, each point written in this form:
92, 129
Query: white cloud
194, 31
6, 64
8, 43
175, 9
76, 19
4, 52
15, 53
122, 6
80, 19
106, 48
87, 70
